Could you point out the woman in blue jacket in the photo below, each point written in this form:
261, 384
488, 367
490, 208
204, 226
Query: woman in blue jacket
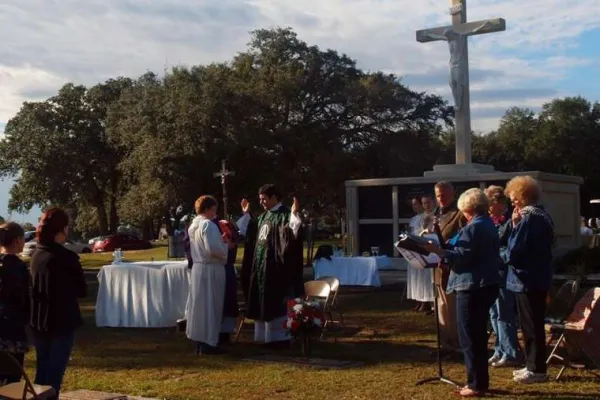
474, 260
503, 313
529, 257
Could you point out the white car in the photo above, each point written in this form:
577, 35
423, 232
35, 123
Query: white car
92, 241
79, 248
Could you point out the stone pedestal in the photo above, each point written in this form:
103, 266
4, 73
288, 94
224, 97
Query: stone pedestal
379, 209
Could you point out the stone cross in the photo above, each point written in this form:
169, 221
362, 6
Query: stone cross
456, 35
223, 174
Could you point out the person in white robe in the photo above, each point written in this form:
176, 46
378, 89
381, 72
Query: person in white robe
419, 287
209, 250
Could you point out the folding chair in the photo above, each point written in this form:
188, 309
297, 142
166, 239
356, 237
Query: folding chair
333, 304
23, 390
318, 291
579, 332
243, 310
559, 309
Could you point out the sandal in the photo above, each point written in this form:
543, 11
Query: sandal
468, 392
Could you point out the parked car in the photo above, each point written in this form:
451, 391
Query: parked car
92, 241
121, 241
79, 248
29, 236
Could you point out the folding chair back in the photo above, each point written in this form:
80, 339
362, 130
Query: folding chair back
317, 290
583, 326
334, 284
562, 303
20, 390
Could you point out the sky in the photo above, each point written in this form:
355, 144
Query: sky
546, 52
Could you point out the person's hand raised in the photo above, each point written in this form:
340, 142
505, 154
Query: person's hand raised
245, 206
516, 216
295, 206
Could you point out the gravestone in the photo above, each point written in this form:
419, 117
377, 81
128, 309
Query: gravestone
379, 209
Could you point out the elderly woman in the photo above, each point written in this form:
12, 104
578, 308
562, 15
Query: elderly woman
503, 311
474, 259
529, 257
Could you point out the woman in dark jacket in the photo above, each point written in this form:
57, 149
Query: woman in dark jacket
474, 259
14, 295
529, 259
58, 283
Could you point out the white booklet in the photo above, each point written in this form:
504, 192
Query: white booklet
417, 260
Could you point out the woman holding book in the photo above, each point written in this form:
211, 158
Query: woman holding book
473, 259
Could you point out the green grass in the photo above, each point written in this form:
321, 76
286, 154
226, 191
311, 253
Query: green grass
393, 342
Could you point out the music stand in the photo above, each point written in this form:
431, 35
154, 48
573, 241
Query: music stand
440, 376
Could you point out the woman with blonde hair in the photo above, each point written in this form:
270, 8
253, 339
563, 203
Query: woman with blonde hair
474, 259
529, 258
208, 248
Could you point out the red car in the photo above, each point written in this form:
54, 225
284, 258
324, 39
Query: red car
121, 241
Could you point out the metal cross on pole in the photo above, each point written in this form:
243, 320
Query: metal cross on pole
223, 174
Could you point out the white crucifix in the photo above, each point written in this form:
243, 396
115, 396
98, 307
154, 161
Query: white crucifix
456, 35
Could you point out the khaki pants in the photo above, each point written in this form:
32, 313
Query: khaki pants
447, 313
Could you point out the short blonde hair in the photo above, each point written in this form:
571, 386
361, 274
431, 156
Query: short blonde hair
496, 194
473, 200
524, 188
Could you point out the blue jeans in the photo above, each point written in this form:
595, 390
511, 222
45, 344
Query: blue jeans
503, 320
52, 353
472, 308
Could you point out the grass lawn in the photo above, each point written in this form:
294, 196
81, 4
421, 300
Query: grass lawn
393, 342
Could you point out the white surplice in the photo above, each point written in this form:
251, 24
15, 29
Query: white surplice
271, 331
207, 283
418, 281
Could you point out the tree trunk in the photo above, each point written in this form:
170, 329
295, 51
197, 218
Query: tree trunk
102, 219
114, 216
147, 229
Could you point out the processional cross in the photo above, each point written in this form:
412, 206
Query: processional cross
456, 35
223, 174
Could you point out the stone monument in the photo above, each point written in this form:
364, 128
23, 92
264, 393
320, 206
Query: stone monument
379, 209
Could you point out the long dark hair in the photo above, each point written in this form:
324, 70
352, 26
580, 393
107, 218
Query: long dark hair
53, 221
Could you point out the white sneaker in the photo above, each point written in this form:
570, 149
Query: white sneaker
493, 359
530, 377
518, 372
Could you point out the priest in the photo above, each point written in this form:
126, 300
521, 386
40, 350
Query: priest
271, 263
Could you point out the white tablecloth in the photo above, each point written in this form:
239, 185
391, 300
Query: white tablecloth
352, 271
142, 295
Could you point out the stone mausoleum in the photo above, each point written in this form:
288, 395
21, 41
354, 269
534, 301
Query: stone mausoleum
378, 210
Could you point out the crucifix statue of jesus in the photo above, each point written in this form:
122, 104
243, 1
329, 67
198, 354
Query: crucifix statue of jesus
456, 35
223, 174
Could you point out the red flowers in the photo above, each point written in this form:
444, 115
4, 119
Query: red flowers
304, 317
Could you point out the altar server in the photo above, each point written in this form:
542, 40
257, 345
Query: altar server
209, 250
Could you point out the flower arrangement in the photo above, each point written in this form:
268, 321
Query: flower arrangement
304, 317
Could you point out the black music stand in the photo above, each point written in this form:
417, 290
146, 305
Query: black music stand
440, 375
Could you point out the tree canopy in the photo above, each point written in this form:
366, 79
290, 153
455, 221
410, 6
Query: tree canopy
142, 150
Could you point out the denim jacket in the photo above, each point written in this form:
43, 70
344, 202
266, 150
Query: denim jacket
474, 257
529, 255
504, 227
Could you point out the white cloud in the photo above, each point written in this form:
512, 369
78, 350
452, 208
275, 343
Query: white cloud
47, 43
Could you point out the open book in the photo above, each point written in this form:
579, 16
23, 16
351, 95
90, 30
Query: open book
409, 247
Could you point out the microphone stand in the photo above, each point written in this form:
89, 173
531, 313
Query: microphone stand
440, 375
